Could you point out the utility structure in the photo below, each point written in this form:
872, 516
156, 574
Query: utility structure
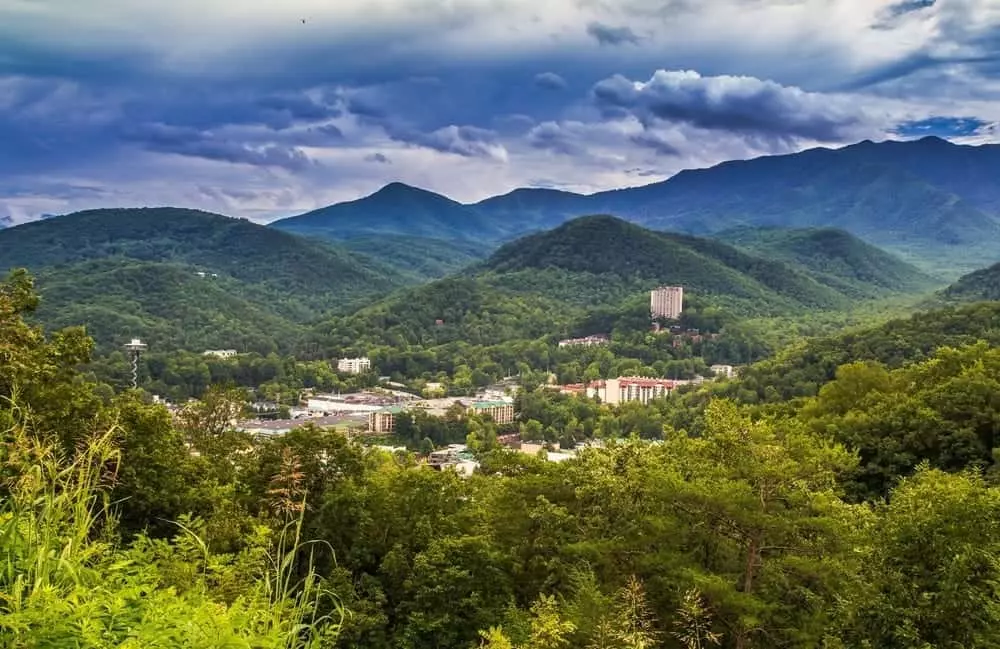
135, 348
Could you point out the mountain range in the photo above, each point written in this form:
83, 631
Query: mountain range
196, 280
933, 202
596, 271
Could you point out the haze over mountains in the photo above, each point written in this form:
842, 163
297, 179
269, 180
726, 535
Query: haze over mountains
929, 200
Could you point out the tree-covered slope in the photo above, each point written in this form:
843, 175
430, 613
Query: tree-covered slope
983, 284
165, 304
804, 368
834, 257
211, 242
419, 259
595, 268
395, 209
604, 245
188, 278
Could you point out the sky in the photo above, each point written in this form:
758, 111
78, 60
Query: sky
263, 109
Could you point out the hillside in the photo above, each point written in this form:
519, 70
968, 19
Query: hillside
418, 259
165, 304
605, 245
589, 271
395, 209
904, 196
983, 284
236, 271
804, 368
835, 258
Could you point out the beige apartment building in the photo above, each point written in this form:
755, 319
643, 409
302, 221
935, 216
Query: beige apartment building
666, 302
632, 388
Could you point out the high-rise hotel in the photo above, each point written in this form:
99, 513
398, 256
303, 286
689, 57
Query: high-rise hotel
666, 302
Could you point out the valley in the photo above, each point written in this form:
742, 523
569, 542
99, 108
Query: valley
462, 386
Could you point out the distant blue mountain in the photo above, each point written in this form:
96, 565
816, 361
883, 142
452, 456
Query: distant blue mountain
933, 202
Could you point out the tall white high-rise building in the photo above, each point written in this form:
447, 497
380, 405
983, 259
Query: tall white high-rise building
666, 302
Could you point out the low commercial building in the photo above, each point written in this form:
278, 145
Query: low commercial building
363, 402
723, 371
586, 341
354, 365
220, 353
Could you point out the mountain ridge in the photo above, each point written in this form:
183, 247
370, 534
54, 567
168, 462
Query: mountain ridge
904, 196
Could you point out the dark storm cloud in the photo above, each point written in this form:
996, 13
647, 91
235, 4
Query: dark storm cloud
193, 143
466, 141
737, 104
550, 81
655, 142
550, 136
609, 35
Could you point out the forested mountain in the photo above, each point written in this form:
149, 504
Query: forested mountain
929, 200
182, 277
983, 284
606, 245
395, 209
596, 270
835, 258
419, 259
802, 369
167, 305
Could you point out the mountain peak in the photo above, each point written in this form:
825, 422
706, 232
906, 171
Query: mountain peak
397, 190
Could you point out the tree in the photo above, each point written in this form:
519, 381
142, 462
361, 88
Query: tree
760, 500
548, 629
931, 566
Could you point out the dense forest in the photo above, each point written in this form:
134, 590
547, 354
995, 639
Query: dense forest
862, 512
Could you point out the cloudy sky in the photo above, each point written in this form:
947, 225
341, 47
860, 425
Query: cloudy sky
265, 108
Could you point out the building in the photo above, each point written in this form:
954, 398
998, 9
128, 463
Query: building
501, 412
384, 420
666, 302
632, 388
220, 353
723, 371
586, 341
354, 365
363, 402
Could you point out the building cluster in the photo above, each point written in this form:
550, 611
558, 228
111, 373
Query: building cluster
586, 341
499, 408
666, 302
354, 365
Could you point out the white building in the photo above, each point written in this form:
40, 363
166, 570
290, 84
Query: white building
666, 302
586, 341
354, 365
220, 353
723, 371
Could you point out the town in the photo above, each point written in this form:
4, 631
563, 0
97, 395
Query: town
372, 414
